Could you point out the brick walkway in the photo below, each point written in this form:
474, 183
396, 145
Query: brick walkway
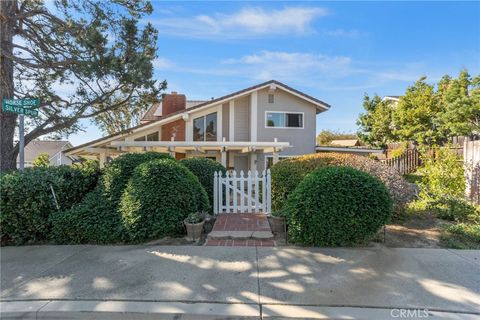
241, 229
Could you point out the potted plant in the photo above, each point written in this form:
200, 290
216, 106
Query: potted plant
194, 225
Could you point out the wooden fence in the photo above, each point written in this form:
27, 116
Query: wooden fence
471, 158
406, 163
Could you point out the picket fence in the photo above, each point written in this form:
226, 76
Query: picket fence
242, 193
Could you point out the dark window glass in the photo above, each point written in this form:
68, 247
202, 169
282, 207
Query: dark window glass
152, 136
275, 119
294, 120
211, 127
140, 138
199, 129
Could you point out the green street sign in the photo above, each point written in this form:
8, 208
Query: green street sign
21, 106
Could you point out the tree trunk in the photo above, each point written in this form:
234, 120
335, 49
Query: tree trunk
8, 153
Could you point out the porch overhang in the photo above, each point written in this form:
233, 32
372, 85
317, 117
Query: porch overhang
117, 147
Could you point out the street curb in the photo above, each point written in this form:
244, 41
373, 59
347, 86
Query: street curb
133, 310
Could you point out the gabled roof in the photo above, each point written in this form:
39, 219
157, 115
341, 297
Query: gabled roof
152, 113
320, 105
51, 147
345, 142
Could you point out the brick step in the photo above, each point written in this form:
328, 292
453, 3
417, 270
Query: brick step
239, 243
240, 235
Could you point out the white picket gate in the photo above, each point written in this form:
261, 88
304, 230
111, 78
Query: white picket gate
242, 193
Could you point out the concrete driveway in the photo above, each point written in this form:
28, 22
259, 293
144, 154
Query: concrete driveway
42, 282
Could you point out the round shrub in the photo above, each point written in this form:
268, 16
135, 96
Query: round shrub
158, 197
26, 200
97, 219
336, 206
288, 173
204, 169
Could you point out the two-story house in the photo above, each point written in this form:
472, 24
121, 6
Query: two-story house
246, 130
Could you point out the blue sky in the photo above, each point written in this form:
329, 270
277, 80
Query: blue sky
335, 51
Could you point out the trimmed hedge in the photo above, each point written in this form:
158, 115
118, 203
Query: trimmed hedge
96, 219
204, 169
159, 196
26, 200
337, 206
288, 173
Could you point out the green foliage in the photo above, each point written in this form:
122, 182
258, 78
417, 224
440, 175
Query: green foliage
426, 114
195, 217
26, 200
159, 196
42, 160
455, 209
287, 175
375, 125
461, 236
103, 50
443, 175
325, 137
337, 206
204, 169
96, 219
399, 151
415, 116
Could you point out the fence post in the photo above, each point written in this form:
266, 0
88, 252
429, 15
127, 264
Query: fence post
264, 191
215, 193
234, 190
242, 192
249, 191
269, 193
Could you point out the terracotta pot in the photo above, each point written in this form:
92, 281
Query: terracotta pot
194, 230
277, 224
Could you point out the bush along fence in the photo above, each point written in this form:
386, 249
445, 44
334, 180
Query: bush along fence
406, 163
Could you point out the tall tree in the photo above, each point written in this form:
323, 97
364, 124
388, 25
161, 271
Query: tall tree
461, 100
416, 115
82, 59
376, 124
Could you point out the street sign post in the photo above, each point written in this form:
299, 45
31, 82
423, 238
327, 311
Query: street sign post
24, 108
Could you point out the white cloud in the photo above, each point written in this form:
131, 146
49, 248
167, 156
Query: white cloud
162, 63
291, 65
247, 22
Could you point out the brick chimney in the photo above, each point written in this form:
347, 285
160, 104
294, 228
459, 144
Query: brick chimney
173, 102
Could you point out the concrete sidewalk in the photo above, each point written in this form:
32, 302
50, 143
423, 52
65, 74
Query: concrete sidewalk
187, 282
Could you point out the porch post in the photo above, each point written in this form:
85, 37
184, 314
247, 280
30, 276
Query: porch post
253, 162
102, 160
223, 157
275, 153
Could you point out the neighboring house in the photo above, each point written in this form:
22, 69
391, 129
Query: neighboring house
247, 130
393, 99
54, 148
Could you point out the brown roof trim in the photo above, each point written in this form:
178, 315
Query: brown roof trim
327, 106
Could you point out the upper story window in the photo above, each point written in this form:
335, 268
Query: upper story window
283, 119
151, 137
205, 128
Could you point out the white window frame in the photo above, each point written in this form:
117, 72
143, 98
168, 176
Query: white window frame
285, 112
205, 125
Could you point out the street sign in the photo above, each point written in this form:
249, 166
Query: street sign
21, 106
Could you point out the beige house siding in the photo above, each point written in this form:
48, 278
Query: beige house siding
301, 139
242, 119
